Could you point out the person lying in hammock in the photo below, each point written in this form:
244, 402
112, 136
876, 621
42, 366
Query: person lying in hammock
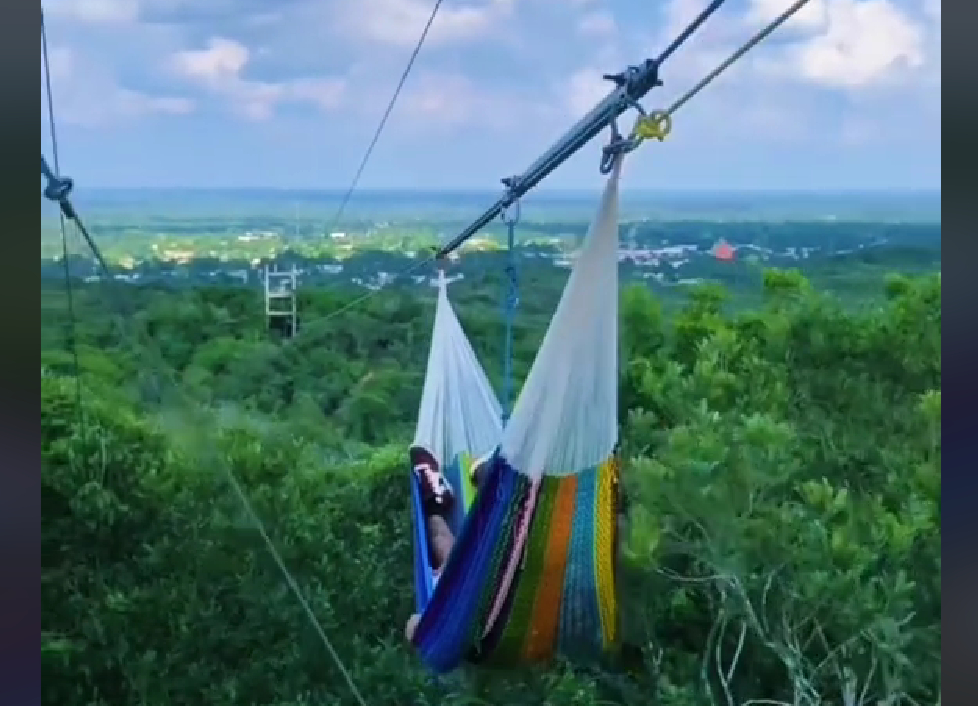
437, 502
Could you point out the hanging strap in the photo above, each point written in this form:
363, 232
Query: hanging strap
510, 216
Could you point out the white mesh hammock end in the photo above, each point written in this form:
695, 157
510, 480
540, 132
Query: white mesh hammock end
566, 417
459, 410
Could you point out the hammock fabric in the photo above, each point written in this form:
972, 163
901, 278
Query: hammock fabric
532, 570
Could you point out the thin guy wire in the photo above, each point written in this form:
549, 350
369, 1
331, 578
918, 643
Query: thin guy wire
383, 120
232, 478
733, 58
71, 325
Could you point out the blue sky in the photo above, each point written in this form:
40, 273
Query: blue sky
286, 93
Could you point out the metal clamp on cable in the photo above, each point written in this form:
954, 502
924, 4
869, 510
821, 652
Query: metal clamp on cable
655, 125
511, 197
616, 147
58, 189
648, 126
510, 215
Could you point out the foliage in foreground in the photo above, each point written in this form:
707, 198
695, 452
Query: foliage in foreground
782, 543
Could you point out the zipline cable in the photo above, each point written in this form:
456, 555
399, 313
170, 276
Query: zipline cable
70, 332
59, 185
679, 103
632, 85
150, 345
682, 101
733, 58
387, 114
363, 163
58, 189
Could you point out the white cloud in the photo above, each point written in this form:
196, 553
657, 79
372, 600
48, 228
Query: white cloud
863, 43
449, 100
810, 18
98, 12
873, 56
221, 61
399, 23
857, 49
326, 93
442, 100
584, 89
218, 68
600, 23
88, 96
848, 44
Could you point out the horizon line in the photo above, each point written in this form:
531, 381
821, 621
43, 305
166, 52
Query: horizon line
882, 190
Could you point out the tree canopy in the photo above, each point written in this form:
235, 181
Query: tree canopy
781, 465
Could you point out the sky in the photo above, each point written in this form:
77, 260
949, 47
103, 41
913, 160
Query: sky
287, 93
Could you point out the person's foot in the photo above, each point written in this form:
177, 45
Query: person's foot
411, 627
479, 469
436, 491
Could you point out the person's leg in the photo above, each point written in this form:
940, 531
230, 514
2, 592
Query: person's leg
437, 499
440, 539
411, 627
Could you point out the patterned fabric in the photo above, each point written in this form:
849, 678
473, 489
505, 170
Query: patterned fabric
508, 596
532, 568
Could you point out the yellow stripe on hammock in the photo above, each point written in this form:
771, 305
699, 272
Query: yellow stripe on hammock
542, 634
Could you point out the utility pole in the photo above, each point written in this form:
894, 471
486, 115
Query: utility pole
280, 299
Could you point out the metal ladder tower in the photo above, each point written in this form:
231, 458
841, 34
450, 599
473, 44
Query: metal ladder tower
281, 311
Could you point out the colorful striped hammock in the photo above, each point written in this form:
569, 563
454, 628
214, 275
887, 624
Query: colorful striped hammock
561, 597
532, 569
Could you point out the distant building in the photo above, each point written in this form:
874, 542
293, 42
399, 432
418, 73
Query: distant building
722, 250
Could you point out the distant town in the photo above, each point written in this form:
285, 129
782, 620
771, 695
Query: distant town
367, 261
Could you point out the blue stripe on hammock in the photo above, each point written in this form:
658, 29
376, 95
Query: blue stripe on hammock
422, 572
580, 619
450, 624
453, 474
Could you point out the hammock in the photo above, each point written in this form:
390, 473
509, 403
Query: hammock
532, 569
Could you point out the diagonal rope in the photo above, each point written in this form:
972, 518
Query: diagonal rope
70, 333
153, 349
736, 56
68, 211
364, 298
414, 267
685, 98
387, 114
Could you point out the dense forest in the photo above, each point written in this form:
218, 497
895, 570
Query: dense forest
781, 464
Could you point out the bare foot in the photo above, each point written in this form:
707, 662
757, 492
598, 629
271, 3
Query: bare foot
412, 625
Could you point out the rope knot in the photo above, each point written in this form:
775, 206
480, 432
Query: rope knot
58, 188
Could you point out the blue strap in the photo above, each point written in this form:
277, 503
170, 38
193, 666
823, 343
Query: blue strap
510, 216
